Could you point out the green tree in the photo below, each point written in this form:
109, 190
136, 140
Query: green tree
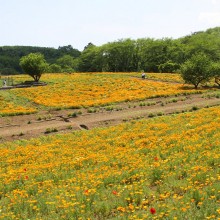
68, 50
216, 72
55, 68
154, 53
10, 56
90, 44
207, 42
91, 59
198, 69
67, 63
34, 65
120, 56
168, 67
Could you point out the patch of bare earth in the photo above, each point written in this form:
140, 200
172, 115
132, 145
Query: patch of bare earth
63, 121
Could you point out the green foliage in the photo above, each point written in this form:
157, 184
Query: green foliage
156, 175
55, 68
196, 196
10, 56
92, 110
216, 72
197, 69
124, 55
50, 130
34, 65
120, 56
67, 63
207, 42
68, 50
153, 53
90, 60
151, 115
168, 67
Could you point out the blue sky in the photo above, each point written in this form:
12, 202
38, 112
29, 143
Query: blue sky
54, 23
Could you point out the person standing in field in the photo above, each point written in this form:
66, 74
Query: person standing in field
143, 75
4, 82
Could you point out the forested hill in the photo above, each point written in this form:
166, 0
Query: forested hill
148, 54
10, 56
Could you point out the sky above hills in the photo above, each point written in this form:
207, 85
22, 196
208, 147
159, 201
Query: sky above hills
53, 23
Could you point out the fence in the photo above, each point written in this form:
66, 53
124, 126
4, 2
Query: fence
6, 81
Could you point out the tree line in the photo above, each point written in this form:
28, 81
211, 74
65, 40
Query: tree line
150, 55
127, 55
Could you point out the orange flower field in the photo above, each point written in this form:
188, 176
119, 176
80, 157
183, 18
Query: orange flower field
83, 90
88, 89
160, 168
166, 77
174, 77
8, 107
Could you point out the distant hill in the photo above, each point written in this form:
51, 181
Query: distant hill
10, 56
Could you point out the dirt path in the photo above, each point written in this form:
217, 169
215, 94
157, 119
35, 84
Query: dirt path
63, 121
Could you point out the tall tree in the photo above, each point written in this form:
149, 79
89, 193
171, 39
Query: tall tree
68, 50
67, 63
120, 56
91, 59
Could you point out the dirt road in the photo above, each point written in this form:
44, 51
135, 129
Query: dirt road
63, 121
